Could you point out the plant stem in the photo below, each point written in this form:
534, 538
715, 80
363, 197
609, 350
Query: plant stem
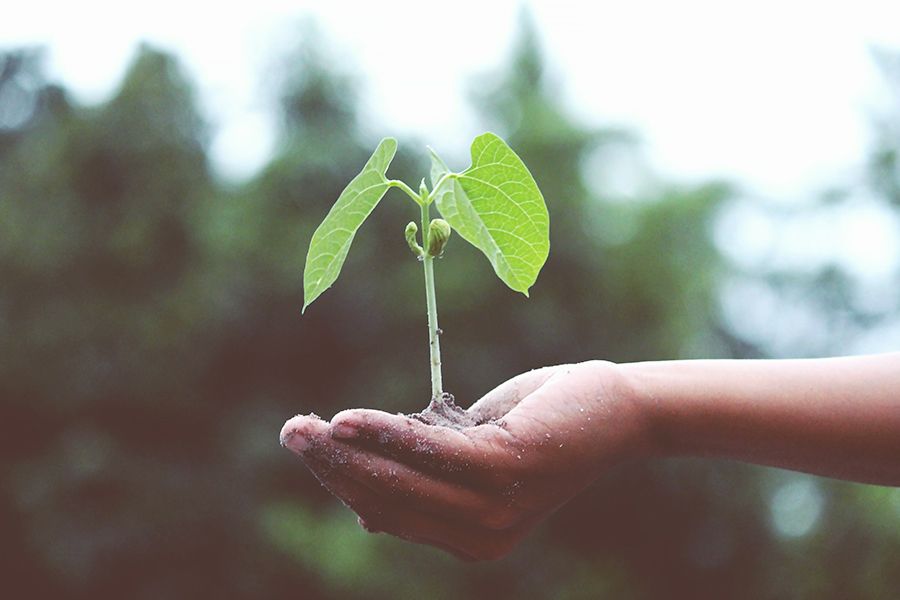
406, 190
434, 343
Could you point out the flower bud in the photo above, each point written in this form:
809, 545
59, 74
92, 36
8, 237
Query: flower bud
438, 234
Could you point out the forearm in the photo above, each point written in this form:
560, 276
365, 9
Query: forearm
838, 417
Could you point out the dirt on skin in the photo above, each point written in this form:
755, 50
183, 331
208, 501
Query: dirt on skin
443, 412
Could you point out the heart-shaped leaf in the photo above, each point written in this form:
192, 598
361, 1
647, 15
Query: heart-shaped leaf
496, 206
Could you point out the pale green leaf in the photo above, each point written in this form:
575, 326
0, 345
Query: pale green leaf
438, 168
496, 206
331, 240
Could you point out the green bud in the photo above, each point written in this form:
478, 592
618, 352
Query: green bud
411, 231
423, 189
438, 234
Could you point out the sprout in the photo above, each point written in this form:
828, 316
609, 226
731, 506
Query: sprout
495, 205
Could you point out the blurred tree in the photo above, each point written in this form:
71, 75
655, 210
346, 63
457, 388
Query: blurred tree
627, 279
152, 346
101, 317
828, 306
884, 162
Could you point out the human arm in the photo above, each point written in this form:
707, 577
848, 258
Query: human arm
838, 417
549, 433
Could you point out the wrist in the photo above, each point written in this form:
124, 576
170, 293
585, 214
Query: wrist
643, 386
625, 393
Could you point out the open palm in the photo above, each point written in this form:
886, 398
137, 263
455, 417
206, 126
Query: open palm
477, 491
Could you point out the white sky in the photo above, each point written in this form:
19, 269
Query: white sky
773, 94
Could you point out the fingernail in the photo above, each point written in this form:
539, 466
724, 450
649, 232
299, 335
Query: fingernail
294, 441
291, 438
344, 431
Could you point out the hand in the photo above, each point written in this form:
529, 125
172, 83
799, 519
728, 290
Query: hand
476, 492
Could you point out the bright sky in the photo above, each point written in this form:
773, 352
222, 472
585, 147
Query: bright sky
774, 94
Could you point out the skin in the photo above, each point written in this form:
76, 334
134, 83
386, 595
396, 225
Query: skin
549, 433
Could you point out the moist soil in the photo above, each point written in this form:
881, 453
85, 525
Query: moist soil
444, 412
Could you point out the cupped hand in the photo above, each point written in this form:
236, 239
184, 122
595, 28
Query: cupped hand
477, 491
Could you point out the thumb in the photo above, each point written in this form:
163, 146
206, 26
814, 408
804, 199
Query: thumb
508, 394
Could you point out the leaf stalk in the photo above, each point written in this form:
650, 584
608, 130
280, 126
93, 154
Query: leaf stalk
408, 191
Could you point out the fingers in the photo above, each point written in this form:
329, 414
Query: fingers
470, 455
388, 478
301, 431
484, 454
376, 514
431, 512
505, 396
476, 455
475, 491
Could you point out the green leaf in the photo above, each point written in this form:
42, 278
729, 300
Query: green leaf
331, 240
496, 206
438, 168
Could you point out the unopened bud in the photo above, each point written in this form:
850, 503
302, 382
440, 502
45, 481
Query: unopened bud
411, 231
438, 234
423, 189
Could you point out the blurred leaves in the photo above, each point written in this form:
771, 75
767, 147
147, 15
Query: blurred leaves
151, 347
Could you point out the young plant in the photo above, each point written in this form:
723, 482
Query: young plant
495, 205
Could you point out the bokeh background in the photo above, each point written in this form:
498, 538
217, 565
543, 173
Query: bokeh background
151, 256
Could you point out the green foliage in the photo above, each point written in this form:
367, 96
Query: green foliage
151, 351
330, 546
331, 240
496, 206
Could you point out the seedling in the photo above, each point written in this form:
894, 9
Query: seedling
495, 205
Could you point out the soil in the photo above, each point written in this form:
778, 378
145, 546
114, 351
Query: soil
444, 412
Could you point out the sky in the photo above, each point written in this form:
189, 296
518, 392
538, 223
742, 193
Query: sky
774, 95
777, 97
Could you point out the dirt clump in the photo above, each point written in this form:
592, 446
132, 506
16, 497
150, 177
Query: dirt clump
444, 412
